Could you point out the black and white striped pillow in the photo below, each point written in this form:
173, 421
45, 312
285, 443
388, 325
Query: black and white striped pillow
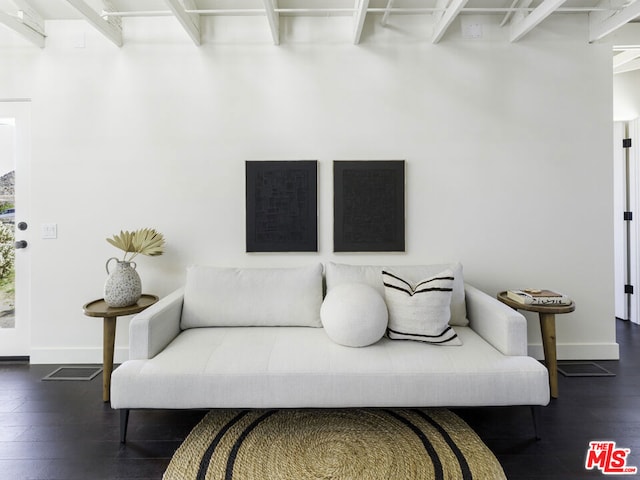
420, 311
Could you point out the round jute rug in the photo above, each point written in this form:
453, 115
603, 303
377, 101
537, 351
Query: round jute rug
346, 444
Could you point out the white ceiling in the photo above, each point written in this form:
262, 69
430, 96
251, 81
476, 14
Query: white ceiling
27, 17
62, 9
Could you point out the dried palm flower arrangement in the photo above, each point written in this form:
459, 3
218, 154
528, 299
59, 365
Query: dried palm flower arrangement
145, 241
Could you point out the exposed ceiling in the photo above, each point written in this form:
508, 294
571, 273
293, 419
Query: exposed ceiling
27, 17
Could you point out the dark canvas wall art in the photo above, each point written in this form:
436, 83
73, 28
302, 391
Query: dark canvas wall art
281, 206
369, 206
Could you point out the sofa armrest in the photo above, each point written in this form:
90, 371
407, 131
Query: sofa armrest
154, 328
500, 325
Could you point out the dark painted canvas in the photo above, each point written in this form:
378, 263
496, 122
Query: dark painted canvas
368, 209
281, 208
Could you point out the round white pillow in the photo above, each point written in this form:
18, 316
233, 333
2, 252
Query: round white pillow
354, 315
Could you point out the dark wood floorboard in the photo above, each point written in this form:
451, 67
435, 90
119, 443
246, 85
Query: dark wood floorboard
62, 430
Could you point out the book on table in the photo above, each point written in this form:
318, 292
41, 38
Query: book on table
530, 296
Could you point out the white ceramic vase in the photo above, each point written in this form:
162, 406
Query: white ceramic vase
123, 287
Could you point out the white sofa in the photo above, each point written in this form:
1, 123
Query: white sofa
252, 338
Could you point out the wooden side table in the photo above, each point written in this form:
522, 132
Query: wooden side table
547, 315
99, 308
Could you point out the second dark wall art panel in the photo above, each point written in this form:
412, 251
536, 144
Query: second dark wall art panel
281, 209
368, 209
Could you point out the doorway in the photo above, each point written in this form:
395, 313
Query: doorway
15, 269
626, 160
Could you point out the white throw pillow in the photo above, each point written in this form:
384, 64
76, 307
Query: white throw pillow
338, 273
354, 315
420, 311
252, 297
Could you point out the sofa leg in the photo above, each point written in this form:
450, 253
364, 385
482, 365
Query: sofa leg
124, 422
535, 415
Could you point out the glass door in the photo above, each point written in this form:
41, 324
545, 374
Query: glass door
14, 257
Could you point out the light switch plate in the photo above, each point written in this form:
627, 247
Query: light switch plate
49, 230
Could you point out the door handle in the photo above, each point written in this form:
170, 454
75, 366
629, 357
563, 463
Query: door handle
21, 244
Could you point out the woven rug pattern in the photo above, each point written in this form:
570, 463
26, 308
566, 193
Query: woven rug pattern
345, 444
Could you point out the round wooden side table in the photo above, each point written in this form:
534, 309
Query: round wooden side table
547, 315
99, 308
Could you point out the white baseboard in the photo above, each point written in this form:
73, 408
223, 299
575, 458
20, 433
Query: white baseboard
579, 351
74, 355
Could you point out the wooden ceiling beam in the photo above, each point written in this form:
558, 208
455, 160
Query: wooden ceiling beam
627, 67
111, 31
359, 18
274, 19
515, 14
625, 57
18, 26
189, 21
599, 28
441, 7
30, 16
507, 16
521, 28
387, 13
450, 14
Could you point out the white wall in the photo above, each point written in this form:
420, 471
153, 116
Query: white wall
626, 96
508, 150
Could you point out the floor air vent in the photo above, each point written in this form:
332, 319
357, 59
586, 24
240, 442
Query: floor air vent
583, 369
74, 373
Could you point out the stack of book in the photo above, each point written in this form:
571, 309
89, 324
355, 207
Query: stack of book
530, 296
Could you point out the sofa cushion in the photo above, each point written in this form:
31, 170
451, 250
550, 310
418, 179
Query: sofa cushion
354, 315
420, 311
298, 367
338, 273
252, 297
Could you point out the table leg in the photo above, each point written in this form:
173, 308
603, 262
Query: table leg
548, 328
108, 346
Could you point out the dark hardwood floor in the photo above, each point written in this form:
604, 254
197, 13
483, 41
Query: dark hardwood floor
63, 430
588, 409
